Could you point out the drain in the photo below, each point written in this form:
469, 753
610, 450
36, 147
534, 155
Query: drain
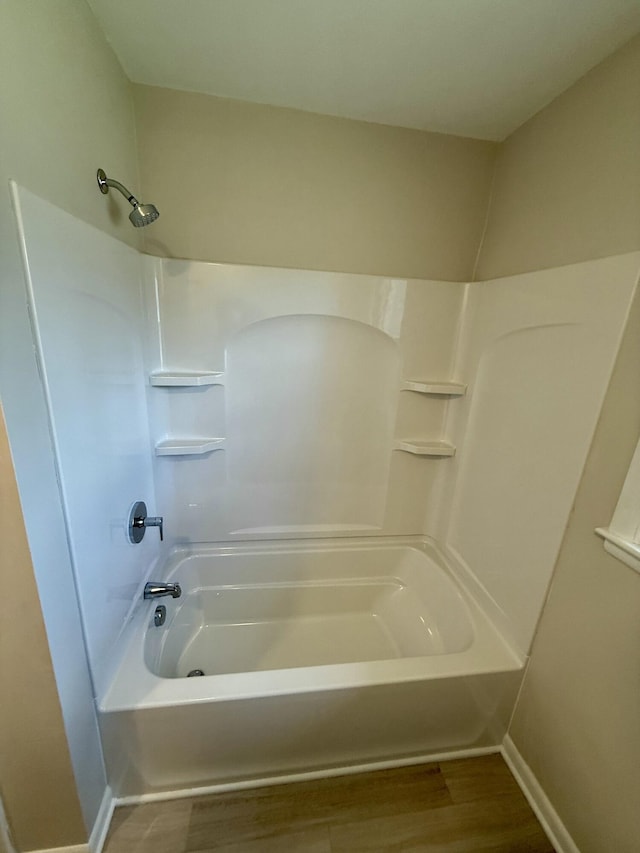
194, 672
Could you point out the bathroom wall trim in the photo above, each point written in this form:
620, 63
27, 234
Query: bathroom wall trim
305, 776
550, 820
75, 848
98, 833
103, 820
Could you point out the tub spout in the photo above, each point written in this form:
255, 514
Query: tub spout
158, 590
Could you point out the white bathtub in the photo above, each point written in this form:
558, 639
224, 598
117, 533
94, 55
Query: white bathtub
317, 656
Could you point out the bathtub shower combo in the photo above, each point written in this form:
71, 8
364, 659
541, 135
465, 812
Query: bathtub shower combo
361, 484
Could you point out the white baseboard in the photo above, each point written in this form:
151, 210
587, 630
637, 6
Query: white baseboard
303, 776
102, 821
76, 848
549, 818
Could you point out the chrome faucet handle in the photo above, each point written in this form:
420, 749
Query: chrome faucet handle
152, 521
139, 521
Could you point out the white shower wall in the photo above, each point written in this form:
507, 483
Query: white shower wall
538, 351
310, 404
85, 299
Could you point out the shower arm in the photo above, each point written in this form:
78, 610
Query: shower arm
104, 183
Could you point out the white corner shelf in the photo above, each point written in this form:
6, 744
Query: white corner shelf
421, 447
426, 386
622, 549
188, 446
185, 378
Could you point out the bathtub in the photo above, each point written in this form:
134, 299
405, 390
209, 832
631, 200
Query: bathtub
318, 657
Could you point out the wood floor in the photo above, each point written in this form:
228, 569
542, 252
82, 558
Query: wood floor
468, 806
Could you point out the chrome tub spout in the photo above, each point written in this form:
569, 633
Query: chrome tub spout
158, 590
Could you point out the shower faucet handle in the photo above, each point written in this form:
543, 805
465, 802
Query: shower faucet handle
139, 521
153, 521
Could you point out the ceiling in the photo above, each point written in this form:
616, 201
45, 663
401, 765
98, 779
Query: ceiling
470, 67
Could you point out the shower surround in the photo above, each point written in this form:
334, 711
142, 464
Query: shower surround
294, 415
309, 400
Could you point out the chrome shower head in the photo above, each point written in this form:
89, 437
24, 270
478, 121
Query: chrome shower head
142, 214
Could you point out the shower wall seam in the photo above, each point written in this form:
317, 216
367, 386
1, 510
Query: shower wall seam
487, 216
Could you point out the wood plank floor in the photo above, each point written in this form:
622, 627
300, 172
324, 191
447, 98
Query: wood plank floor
471, 805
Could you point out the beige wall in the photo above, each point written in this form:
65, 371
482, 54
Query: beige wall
568, 189
246, 183
567, 184
36, 780
65, 108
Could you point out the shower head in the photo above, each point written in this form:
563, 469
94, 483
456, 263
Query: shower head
142, 214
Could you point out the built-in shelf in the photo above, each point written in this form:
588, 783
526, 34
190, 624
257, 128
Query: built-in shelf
424, 448
621, 548
185, 378
425, 386
188, 446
